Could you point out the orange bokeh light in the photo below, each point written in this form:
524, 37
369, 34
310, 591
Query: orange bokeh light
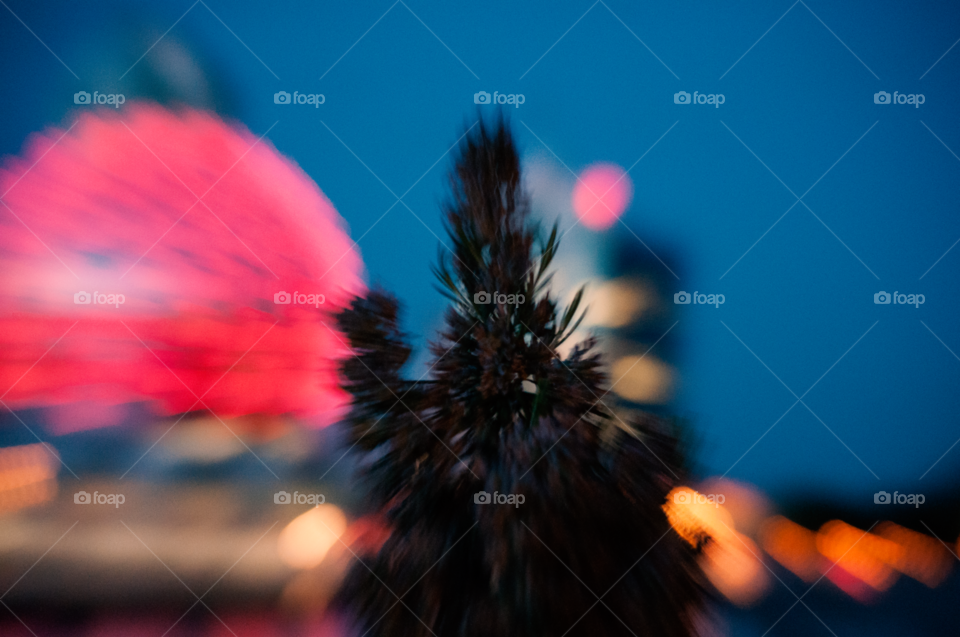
309, 537
27, 475
729, 559
864, 555
793, 546
923, 558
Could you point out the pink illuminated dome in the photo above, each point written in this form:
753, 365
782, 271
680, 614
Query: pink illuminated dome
171, 257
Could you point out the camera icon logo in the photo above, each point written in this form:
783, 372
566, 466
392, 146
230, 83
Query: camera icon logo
681, 298
881, 497
81, 98
282, 497
482, 497
281, 97
282, 298
82, 298
482, 298
481, 98
683, 497
81, 497
681, 98
881, 98
882, 298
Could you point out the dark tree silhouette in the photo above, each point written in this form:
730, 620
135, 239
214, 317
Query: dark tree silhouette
503, 412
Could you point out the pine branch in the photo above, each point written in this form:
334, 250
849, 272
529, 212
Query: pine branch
504, 413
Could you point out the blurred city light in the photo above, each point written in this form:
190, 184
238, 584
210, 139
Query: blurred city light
253, 263
27, 475
862, 564
730, 559
602, 193
732, 564
793, 546
618, 302
643, 379
859, 553
921, 557
306, 540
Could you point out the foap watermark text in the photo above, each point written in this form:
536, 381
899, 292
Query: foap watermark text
882, 497
113, 99
282, 497
98, 298
885, 298
315, 99
714, 99
485, 298
693, 497
82, 497
914, 99
298, 298
482, 497
685, 298
514, 99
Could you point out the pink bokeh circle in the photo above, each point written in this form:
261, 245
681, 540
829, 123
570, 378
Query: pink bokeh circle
602, 193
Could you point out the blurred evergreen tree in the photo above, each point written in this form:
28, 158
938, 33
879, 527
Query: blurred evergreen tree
503, 412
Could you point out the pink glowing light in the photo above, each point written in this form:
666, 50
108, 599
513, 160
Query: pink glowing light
111, 207
602, 193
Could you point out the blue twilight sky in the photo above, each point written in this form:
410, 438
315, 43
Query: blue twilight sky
798, 119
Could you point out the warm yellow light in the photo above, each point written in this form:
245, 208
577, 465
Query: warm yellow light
729, 559
619, 302
731, 563
307, 539
746, 504
643, 379
694, 518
